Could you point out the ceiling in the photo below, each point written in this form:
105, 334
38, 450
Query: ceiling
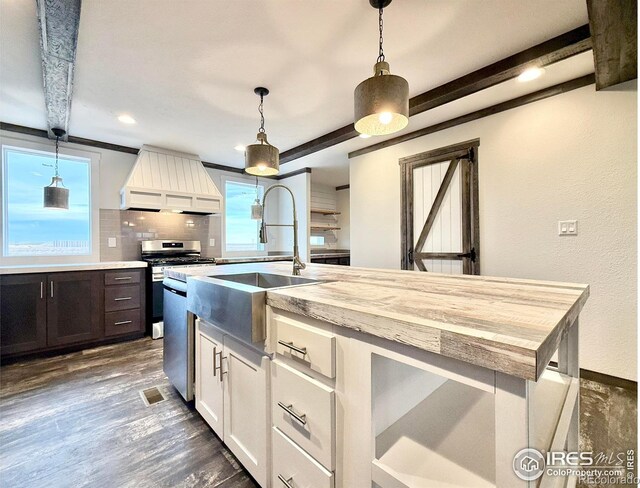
186, 70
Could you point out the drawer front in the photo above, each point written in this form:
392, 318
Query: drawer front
294, 466
121, 298
123, 322
307, 345
304, 409
121, 277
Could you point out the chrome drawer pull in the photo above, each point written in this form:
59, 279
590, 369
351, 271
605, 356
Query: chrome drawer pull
286, 481
122, 298
301, 350
289, 409
122, 278
123, 322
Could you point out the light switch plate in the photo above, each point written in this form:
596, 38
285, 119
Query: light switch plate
212, 242
567, 227
112, 242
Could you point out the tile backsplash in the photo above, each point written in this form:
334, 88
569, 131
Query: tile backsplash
129, 227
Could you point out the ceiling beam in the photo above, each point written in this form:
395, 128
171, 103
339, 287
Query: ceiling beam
614, 29
478, 114
561, 47
59, 21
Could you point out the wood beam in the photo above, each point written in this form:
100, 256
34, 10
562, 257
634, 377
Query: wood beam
485, 112
59, 21
614, 29
561, 47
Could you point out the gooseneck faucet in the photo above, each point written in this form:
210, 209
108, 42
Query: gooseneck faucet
297, 263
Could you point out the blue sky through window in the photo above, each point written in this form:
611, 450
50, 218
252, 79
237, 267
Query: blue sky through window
241, 230
29, 228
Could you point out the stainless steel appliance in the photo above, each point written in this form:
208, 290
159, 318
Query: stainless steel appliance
169, 304
178, 361
165, 254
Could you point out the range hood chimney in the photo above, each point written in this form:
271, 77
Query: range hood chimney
165, 180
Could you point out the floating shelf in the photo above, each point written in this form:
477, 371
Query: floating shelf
324, 227
324, 212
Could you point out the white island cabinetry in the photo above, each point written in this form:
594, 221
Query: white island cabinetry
232, 395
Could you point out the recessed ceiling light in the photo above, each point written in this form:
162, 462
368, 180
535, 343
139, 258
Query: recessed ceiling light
240, 148
126, 119
365, 136
531, 74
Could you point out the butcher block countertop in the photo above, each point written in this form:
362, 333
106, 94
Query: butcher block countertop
508, 325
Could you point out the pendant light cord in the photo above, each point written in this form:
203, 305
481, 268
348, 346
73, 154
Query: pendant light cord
261, 114
57, 148
380, 40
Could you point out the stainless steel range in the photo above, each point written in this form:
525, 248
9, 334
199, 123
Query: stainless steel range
164, 254
169, 304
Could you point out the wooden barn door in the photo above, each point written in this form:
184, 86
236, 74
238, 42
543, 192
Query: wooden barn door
440, 224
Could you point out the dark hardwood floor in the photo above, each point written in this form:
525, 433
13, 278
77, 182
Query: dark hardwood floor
78, 420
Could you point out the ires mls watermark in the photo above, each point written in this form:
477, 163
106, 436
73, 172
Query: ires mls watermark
588, 467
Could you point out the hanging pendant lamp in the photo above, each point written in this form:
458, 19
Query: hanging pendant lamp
256, 208
56, 195
261, 158
381, 103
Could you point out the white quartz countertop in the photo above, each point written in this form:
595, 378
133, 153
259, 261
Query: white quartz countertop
53, 268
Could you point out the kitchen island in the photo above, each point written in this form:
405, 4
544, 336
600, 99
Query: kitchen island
407, 379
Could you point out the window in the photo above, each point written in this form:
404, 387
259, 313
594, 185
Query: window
241, 232
317, 240
29, 229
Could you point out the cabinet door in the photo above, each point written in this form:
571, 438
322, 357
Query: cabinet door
209, 386
246, 407
74, 309
23, 313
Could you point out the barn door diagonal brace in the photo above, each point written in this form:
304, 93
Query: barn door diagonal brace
436, 204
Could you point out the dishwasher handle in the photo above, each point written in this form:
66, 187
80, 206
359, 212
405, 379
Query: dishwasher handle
175, 286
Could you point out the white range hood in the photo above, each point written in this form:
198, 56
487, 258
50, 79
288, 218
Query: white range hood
165, 180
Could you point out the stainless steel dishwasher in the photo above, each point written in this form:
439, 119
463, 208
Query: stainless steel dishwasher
178, 355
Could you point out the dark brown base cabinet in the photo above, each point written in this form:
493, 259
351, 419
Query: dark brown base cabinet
46, 312
341, 261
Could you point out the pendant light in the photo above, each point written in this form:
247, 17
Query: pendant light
381, 103
256, 208
261, 158
56, 195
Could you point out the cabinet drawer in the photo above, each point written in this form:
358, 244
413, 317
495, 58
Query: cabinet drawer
123, 322
121, 277
292, 463
305, 344
303, 408
121, 298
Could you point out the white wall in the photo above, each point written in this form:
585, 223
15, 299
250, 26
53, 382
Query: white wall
572, 156
344, 219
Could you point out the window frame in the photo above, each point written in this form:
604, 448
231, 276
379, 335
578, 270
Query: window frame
244, 181
8, 143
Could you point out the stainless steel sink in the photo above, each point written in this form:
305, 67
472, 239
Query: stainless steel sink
266, 280
236, 303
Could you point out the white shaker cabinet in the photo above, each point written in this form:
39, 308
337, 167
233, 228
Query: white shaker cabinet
232, 395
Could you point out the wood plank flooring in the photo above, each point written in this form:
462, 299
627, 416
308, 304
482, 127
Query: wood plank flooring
78, 420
